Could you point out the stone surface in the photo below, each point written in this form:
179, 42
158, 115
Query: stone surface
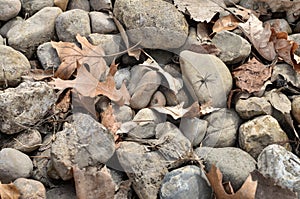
147, 115
296, 109
72, 22
222, 128
8, 25
185, 182
256, 134
234, 48
9, 9
13, 65
123, 113
83, 142
98, 5
30, 188
62, 192
296, 38
27, 36
47, 56
24, 105
14, 164
282, 24
285, 73
234, 163
283, 166
253, 106
158, 99
154, 23
122, 75
30, 7
102, 23
206, 77
143, 132
1, 40
79, 4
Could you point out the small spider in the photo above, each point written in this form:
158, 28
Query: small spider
204, 80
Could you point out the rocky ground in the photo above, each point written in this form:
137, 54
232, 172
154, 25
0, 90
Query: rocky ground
184, 111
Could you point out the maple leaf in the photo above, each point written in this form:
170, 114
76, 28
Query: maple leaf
9, 191
70, 54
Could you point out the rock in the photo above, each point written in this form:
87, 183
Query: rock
185, 182
206, 77
9, 9
143, 132
13, 65
253, 106
24, 105
296, 38
48, 56
154, 23
1, 40
62, 192
72, 22
27, 36
296, 109
122, 75
84, 142
30, 188
222, 128
30, 7
147, 115
102, 23
79, 4
98, 5
162, 57
260, 132
234, 48
194, 129
234, 163
231, 2
123, 113
281, 165
14, 164
284, 73
8, 25
282, 24
158, 99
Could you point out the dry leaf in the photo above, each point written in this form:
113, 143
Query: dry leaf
63, 103
91, 183
62, 4
108, 120
229, 22
205, 48
39, 74
247, 191
9, 191
251, 76
70, 54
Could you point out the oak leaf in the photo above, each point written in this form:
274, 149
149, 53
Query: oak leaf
9, 191
228, 22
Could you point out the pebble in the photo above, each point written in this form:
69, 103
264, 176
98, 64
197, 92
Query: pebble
282, 165
296, 109
24, 105
27, 36
207, 77
155, 23
79, 4
234, 163
72, 22
13, 165
9, 9
158, 99
30, 188
98, 5
47, 56
123, 113
256, 134
143, 132
83, 142
9, 24
62, 192
13, 65
283, 25
185, 182
102, 23
147, 115
30, 7
122, 75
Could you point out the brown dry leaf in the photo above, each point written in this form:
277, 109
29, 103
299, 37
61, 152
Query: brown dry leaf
200, 11
70, 54
62, 4
229, 22
205, 48
90, 183
39, 74
9, 191
108, 120
247, 191
251, 76
64, 102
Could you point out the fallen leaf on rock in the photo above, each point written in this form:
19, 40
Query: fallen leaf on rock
108, 120
9, 191
205, 48
252, 75
70, 54
63, 103
62, 4
229, 22
247, 191
90, 183
39, 74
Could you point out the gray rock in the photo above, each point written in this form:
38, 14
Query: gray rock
122, 75
123, 113
154, 23
147, 115
234, 163
231, 2
14, 164
143, 132
186, 182
30, 188
98, 5
283, 25
260, 132
30, 7
72, 22
102, 23
285, 72
253, 106
206, 77
234, 48
296, 109
8, 25
162, 57
62, 192
281, 165
222, 128
296, 38
24, 105
79, 4
13, 65
158, 99
194, 129
48, 56
136, 73
27, 36
9, 9
84, 142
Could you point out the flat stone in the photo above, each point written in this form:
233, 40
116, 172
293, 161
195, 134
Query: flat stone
47, 56
296, 109
13, 65
256, 134
30, 7
79, 4
9, 24
143, 132
29, 188
14, 164
147, 115
27, 36
98, 5
123, 113
102, 23
9, 9
155, 23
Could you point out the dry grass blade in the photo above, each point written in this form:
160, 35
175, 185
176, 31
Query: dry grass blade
9, 191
